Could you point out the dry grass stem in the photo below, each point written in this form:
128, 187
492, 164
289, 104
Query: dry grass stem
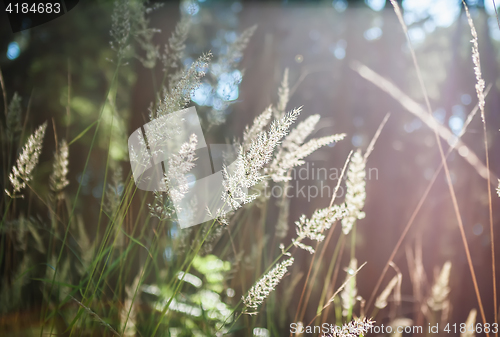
445, 165
332, 298
416, 109
480, 96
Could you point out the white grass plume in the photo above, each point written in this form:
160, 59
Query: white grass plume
283, 215
261, 290
227, 65
160, 208
258, 126
251, 161
313, 228
175, 180
477, 63
114, 192
293, 150
283, 96
300, 133
174, 50
471, 321
177, 43
348, 295
63, 275
120, 27
14, 116
58, 178
481, 97
87, 247
357, 327
22, 172
295, 158
416, 268
144, 34
235, 51
381, 301
178, 96
178, 165
128, 312
440, 288
355, 194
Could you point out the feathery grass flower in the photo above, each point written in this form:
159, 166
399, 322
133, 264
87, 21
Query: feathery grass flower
471, 321
293, 150
250, 161
350, 291
259, 292
283, 96
175, 180
114, 191
174, 50
178, 165
283, 215
143, 34
356, 194
178, 96
440, 289
234, 52
477, 64
120, 27
381, 301
354, 328
14, 116
259, 124
299, 134
226, 67
128, 312
22, 171
321, 220
58, 178
287, 161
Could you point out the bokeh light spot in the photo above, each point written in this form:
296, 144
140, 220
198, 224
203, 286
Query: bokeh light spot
376, 5
13, 51
373, 33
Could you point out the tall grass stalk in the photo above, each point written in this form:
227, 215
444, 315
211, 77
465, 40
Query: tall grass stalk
443, 160
115, 74
422, 199
5, 110
480, 96
125, 229
329, 280
421, 113
332, 298
182, 279
297, 317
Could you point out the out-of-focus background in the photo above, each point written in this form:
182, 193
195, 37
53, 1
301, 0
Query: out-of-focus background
318, 42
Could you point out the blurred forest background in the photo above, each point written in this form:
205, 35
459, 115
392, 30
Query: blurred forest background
316, 41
